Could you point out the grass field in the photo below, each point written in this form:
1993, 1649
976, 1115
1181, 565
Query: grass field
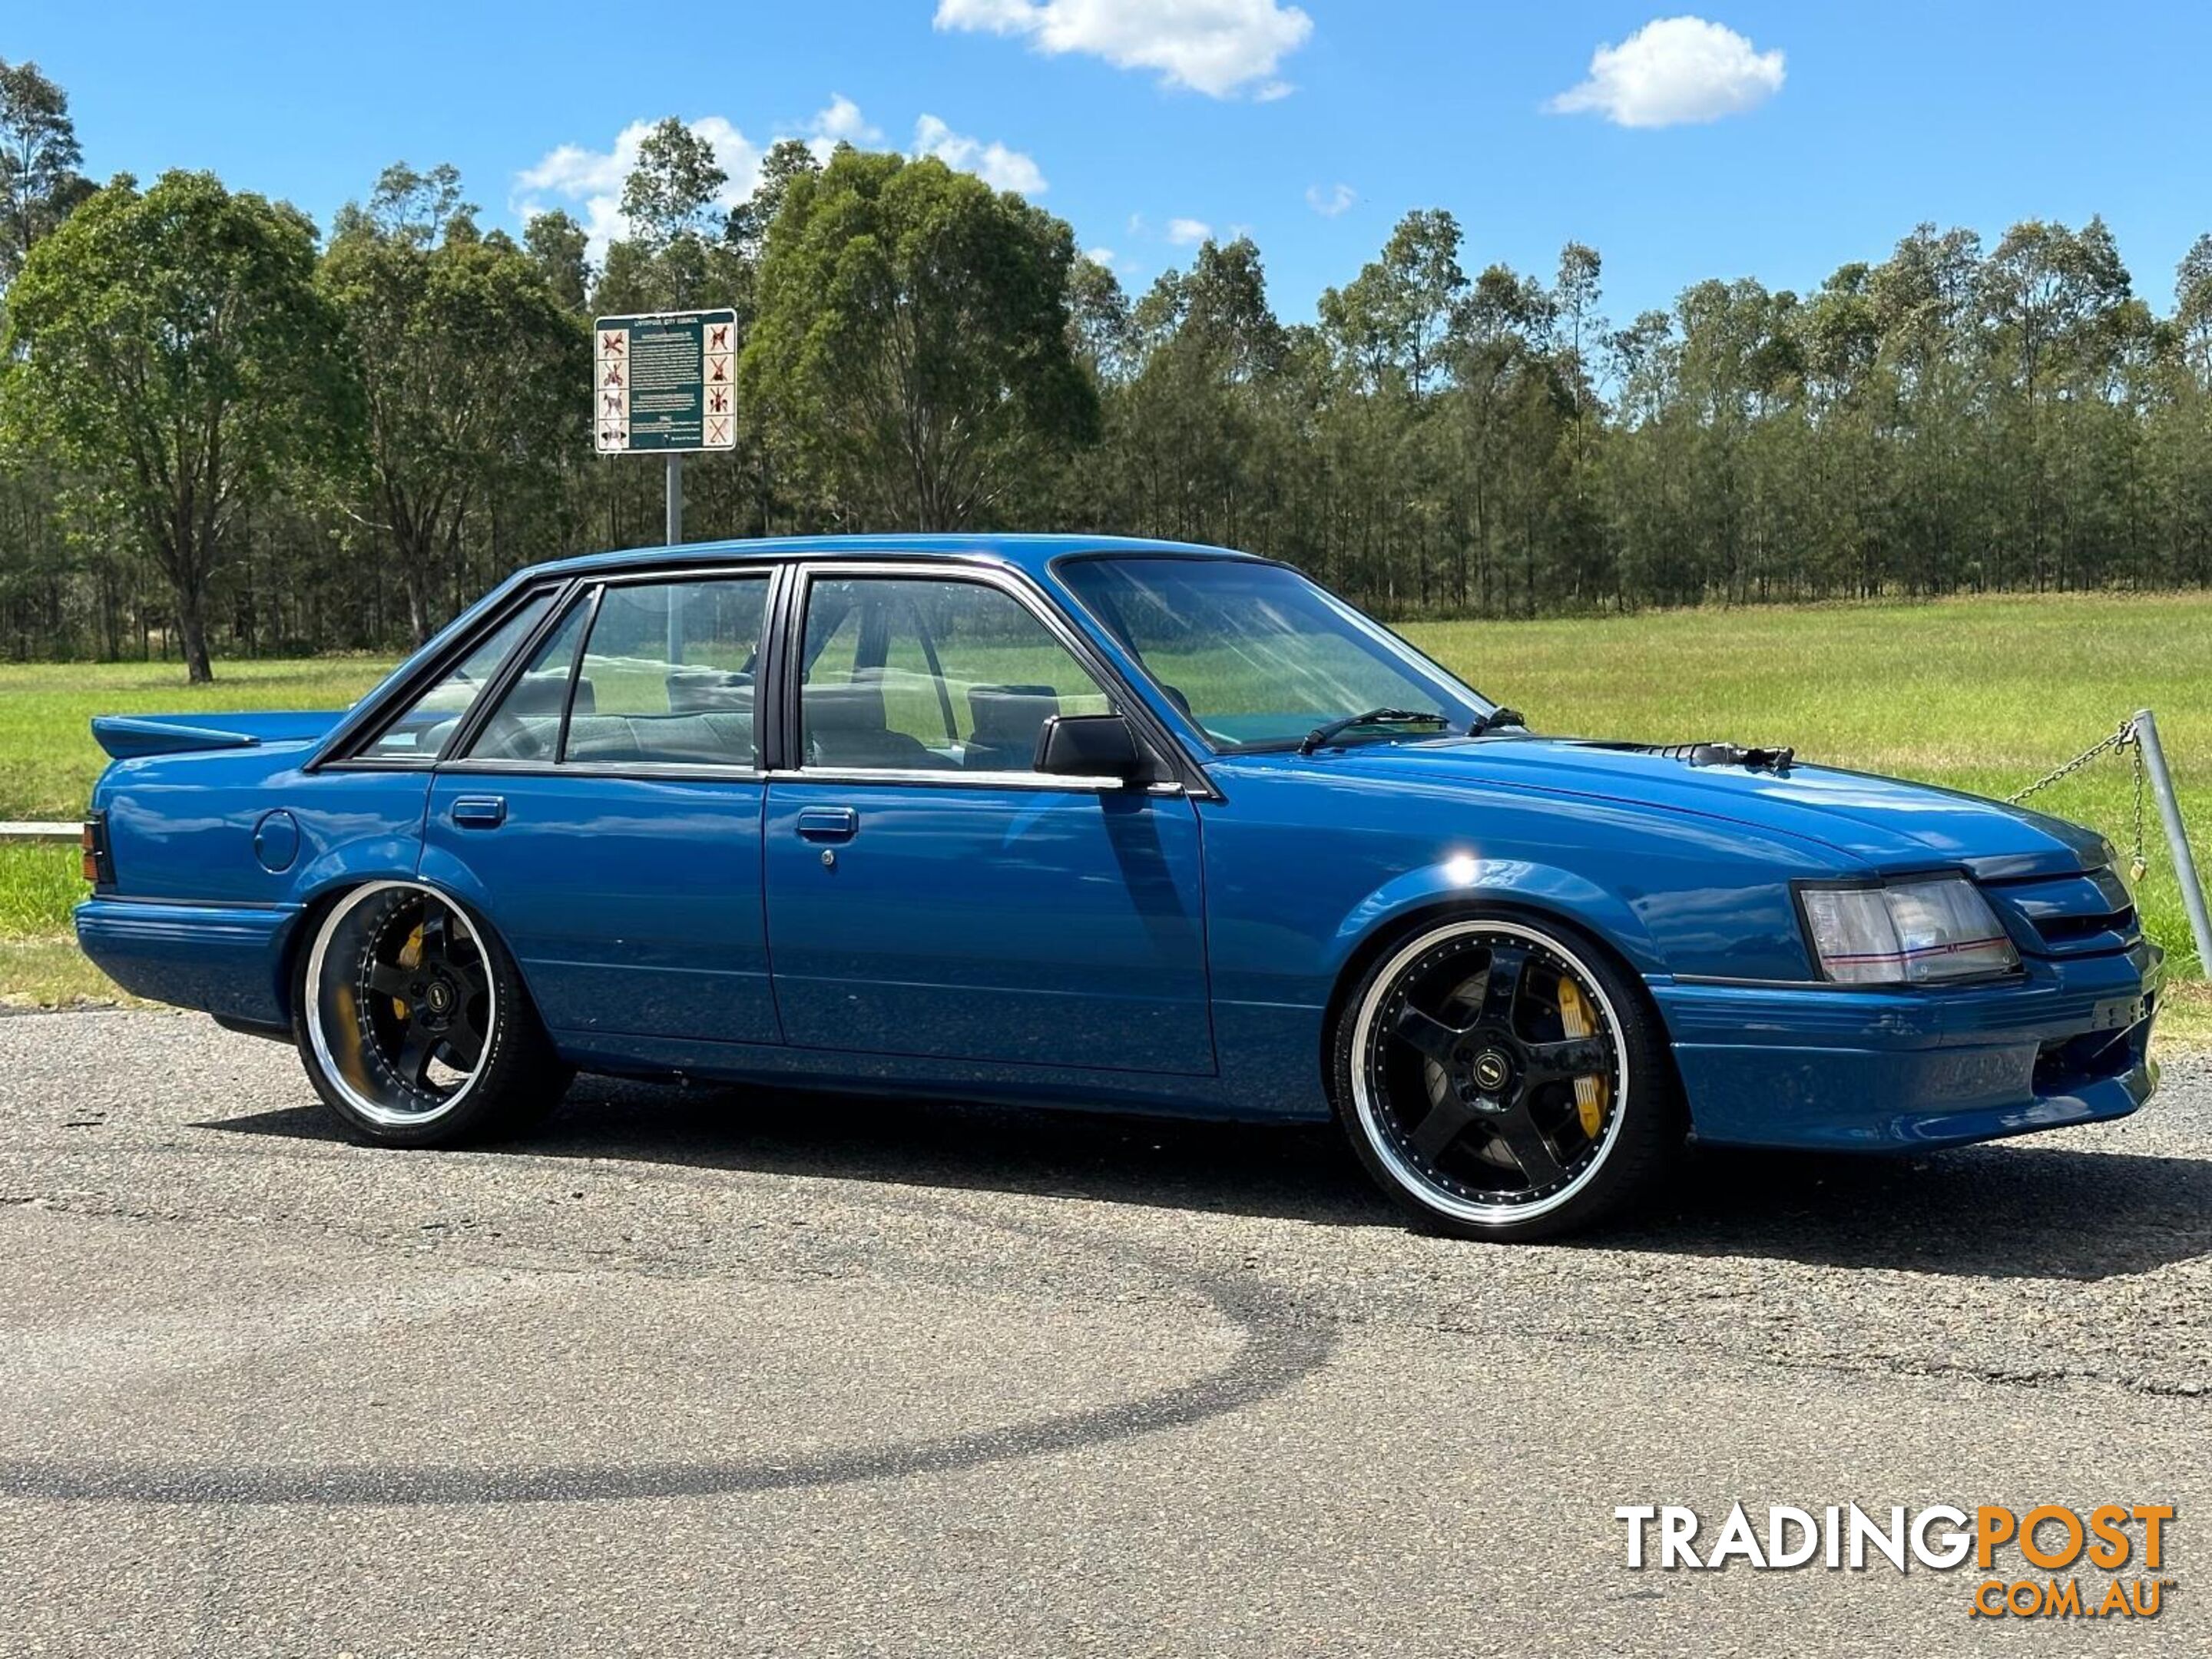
1983, 694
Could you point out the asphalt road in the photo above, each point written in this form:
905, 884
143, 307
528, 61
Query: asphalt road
708, 1372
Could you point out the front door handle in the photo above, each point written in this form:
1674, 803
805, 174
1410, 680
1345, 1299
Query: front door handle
828, 823
480, 811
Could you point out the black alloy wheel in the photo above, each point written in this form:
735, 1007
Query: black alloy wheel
1502, 1079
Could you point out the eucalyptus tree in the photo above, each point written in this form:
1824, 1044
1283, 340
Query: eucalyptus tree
473, 370
172, 347
676, 255
39, 183
560, 249
911, 350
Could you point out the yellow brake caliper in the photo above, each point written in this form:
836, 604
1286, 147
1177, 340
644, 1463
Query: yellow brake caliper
1592, 1094
410, 958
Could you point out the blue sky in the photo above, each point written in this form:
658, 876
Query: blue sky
1776, 140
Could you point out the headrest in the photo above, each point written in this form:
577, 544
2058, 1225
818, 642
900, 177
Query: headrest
1010, 715
844, 706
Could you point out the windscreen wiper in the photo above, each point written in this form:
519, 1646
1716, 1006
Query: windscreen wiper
1321, 734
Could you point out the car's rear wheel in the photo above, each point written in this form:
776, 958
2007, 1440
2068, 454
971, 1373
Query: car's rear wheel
414, 1024
1503, 1079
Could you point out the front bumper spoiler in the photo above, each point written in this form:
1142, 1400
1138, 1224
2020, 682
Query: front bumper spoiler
1822, 1067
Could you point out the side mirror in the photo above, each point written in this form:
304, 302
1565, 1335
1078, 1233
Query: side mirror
1091, 746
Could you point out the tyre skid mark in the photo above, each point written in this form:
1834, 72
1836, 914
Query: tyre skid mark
1279, 1350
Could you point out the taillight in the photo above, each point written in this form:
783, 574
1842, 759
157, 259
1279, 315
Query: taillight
93, 840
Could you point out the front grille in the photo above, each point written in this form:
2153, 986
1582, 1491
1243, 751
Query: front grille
2067, 930
2084, 914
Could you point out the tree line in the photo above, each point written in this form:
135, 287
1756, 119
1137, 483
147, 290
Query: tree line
224, 432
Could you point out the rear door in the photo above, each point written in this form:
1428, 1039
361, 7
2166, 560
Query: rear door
606, 812
929, 893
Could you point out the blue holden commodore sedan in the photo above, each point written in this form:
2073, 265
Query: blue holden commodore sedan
1086, 822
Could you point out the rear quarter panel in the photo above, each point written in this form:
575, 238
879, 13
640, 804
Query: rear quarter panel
181, 827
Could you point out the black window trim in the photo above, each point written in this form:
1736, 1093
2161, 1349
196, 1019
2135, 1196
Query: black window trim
402, 698
1188, 778
595, 586
776, 746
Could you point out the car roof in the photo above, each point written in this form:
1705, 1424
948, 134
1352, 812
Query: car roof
1029, 553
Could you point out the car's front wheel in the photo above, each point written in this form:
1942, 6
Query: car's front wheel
1503, 1079
414, 1024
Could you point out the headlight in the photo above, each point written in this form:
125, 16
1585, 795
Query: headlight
1910, 933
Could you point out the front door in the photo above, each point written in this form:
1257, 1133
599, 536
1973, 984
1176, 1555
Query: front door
929, 893
607, 815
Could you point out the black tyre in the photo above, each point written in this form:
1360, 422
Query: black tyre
414, 1024
1503, 1079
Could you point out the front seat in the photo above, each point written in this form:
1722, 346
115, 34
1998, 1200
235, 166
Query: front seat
1005, 721
845, 727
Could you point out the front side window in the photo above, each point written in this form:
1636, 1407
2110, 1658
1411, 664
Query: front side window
1256, 655
668, 675
423, 729
923, 674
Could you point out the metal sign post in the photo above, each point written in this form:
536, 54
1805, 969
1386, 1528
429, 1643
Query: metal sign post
2177, 837
666, 382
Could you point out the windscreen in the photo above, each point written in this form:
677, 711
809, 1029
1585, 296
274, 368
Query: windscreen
1255, 653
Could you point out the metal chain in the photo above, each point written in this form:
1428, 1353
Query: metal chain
2122, 738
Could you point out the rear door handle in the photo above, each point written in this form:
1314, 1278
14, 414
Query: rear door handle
828, 823
480, 811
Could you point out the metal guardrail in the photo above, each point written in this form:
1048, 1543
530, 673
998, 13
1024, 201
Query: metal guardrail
2177, 837
40, 831
2137, 736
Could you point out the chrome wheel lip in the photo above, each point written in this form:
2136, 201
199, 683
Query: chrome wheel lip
375, 1112
1368, 1110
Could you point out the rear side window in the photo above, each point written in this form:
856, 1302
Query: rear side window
424, 728
526, 724
666, 678
668, 675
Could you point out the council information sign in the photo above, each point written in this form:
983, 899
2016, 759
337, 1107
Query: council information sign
664, 382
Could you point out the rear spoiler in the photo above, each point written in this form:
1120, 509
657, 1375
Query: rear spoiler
126, 736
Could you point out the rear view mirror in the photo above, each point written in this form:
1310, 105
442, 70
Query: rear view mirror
1091, 746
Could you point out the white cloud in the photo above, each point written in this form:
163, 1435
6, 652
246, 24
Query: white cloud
1100, 256
839, 122
589, 182
1674, 71
994, 163
1188, 233
1330, 200
1218, 47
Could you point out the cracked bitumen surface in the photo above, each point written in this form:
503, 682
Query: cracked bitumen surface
696, 1370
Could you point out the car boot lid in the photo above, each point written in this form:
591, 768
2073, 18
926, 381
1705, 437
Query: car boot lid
127, 736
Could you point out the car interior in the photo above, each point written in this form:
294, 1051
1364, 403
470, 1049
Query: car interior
861, 713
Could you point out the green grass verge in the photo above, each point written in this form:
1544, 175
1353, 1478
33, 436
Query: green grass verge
48, 763
39, 886
1981, 695
47, 757
52, 973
